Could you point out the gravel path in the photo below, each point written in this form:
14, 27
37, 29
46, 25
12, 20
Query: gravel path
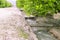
8, 24
11, 21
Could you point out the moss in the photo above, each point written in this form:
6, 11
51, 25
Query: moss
22, 33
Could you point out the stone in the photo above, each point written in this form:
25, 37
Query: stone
55, 32
56, 16
43, 22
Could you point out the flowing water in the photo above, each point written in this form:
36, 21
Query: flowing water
44, 35
41, 32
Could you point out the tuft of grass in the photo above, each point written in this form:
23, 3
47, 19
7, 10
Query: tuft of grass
22, 33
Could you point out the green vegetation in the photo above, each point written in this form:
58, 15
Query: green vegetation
4, 3
22, 33
39, 7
